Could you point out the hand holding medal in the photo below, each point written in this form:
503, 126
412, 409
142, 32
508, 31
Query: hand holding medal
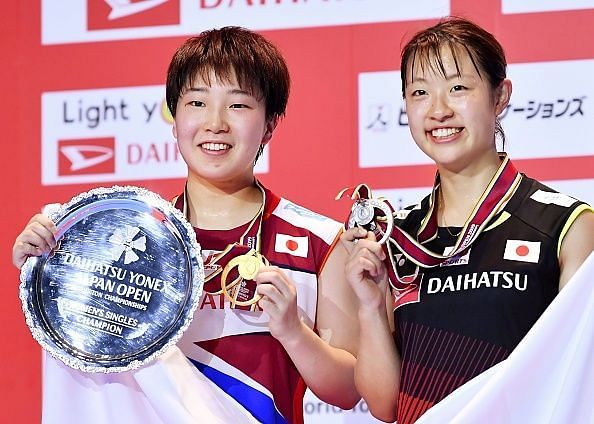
374, 215
499, 190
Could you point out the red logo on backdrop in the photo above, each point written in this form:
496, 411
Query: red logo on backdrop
86, 156
109, 14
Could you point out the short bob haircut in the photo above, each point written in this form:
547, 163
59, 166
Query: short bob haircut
257, 64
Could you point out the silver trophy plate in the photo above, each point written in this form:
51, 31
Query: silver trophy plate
122, 284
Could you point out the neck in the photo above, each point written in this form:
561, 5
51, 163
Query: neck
461, 191
221, 206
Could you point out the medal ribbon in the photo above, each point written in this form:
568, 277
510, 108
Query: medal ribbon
249, 245
498, 192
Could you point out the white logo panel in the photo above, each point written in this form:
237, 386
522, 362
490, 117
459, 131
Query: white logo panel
529, 6
549, 198
580, 189
556, 122
122, 8
400, 198
76, 125
538, 123
113, 134
384, 137
65, 21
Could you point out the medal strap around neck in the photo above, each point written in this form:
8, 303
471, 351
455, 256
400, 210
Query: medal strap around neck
496, 195
250, 240
498, 192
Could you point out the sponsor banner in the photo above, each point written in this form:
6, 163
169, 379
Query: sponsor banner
114, 134
554, 122
110, 14
384, 137
72, 21
528, 6
538, 123
110, 134
400, 198
317, 412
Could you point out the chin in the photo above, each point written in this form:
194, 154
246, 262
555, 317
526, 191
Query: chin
449, 160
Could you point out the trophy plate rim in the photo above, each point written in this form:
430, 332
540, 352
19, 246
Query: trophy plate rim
65, 216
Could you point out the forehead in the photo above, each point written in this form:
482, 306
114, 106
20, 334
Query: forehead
441, 61
208, 76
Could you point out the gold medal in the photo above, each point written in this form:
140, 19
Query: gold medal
241, 290
249, 266
237, 291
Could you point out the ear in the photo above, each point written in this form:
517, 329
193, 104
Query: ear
503, 94
270, 127
174, 130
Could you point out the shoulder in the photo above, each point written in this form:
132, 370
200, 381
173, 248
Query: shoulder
545, 208
576, 243
411, 216
289, 213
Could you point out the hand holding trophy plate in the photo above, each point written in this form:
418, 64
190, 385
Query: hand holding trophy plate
120, 287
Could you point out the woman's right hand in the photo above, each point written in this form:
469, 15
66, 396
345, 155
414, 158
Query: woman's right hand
365, 269
36, 239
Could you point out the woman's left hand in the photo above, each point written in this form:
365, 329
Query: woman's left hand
279, 301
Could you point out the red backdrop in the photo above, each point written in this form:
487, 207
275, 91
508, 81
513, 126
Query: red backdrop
314, 152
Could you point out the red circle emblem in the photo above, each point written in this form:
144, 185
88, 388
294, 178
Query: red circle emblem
291, 245
522, 250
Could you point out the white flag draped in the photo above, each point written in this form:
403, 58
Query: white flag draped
548, 378
168, 390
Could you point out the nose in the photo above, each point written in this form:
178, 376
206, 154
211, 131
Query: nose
216, 121
440, 109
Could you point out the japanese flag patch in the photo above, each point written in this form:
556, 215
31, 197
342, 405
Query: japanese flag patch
522, 251
296, 246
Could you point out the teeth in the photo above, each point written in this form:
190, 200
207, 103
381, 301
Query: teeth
445, 132
215, 146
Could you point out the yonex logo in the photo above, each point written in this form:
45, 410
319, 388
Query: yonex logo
86, 156
210, 268
303, 212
